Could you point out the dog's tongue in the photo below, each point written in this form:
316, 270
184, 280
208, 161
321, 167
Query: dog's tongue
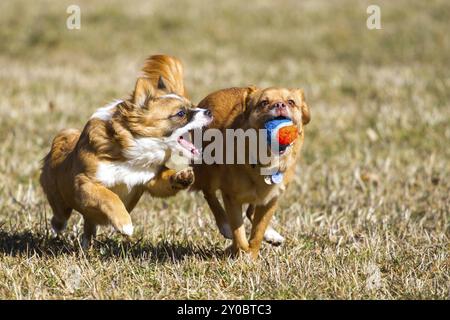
188, 145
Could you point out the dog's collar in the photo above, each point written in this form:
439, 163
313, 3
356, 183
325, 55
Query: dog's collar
275, 178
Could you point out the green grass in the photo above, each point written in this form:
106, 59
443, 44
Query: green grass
368, 213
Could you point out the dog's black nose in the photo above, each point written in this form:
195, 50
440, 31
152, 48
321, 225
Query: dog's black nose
279, 105
208, 113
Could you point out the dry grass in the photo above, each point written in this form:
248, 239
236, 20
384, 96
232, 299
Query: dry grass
367, 217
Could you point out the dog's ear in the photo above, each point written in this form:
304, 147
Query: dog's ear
306, 115
161, 84
247, 97
143, 91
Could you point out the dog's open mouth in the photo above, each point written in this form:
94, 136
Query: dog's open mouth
281, 118
184, 142
184, 136
275, 125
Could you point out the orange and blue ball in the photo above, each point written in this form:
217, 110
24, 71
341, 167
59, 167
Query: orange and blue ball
280, 130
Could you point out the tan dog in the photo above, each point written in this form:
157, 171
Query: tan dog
249, 108
103, 171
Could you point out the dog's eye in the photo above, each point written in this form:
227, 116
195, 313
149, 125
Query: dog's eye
291, 102
181, 113
264, 103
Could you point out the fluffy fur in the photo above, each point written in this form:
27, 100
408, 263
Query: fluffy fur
165, 71
103, 170
242, 184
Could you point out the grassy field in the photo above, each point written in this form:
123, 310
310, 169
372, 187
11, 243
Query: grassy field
368, 214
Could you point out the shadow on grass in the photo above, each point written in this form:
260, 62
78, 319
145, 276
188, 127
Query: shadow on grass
28, 243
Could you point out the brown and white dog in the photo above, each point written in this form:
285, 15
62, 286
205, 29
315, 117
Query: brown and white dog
240, 184
103, 171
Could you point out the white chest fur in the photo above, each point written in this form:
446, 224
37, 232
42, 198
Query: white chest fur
111, 174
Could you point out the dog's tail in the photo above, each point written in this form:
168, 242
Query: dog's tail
165, 73
62, 145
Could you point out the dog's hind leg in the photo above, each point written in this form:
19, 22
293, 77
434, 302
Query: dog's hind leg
61, 213
219, 214
90, 232
53, 163
271, 235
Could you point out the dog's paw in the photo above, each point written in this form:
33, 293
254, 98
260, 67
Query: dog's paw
247, 254
127, 230
273, 237
182, 179
58, 226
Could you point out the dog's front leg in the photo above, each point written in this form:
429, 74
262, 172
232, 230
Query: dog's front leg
168, 182
234, 214
261, 219
100, 205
